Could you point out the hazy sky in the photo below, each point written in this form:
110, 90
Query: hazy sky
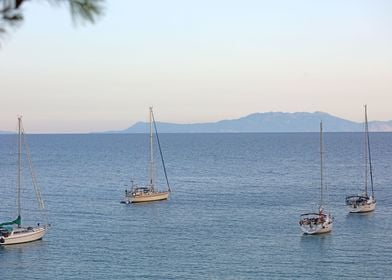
196, 61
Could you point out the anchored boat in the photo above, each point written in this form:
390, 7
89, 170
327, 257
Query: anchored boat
14, 232
149, 193
364, 202
320, 222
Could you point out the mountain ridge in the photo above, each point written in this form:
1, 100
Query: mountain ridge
266, 122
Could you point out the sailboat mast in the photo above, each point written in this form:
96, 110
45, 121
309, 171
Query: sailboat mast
366, 153
321, 165
18, 184
151, 153
368, 149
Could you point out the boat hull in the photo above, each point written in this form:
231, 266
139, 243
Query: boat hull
317, 229
23, 235
150, 197
313, 223
360, 203
368, 207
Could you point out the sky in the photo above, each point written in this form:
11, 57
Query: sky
195, 61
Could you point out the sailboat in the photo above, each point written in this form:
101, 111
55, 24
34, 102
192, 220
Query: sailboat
320, 222
362, 203
13, 232
149, 192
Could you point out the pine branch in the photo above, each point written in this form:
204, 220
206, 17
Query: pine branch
11, 14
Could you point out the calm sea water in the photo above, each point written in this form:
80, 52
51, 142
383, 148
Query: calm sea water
233, 213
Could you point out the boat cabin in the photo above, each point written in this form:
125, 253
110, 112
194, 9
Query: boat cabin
312, 218
141, 190
356, 200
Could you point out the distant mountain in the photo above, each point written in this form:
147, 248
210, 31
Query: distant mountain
6, 132
266, 122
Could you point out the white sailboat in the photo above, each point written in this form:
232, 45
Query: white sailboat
320, 222
13, 232
362, 203
149, 193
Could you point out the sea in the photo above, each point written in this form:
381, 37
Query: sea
233, 212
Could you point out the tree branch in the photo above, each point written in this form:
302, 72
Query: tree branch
81, 10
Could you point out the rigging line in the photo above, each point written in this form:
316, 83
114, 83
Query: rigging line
160, 151
366, 158
151, 165
321, 165
18, 184
34, 178
370, 158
